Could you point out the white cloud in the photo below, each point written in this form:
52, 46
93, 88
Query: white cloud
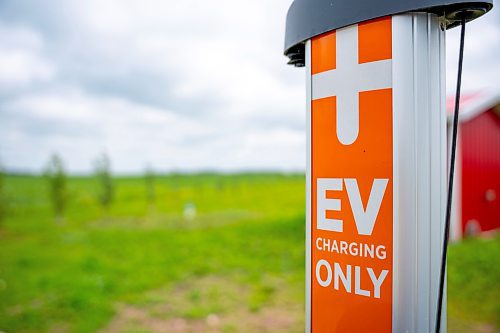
218, 82
21, 59
188, 84
80, 126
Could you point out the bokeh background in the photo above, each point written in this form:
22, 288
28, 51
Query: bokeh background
152, 161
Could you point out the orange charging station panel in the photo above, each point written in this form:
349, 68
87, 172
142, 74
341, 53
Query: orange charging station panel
351, 159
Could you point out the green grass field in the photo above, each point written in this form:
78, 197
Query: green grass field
238, 266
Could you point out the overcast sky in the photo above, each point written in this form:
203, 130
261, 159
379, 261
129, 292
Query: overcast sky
179, 85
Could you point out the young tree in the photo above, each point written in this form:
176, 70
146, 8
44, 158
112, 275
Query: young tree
3, 200
103, 175
56, 176
149, 178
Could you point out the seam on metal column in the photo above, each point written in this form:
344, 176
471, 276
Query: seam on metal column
429, 108
415, 137
395, 185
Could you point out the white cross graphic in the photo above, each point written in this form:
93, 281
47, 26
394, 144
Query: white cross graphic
348, 80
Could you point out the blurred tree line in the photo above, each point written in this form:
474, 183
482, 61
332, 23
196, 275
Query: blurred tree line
57, 178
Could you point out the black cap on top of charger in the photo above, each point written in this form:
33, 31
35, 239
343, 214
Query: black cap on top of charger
310, 18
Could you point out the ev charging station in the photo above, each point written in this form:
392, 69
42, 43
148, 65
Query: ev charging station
376, 158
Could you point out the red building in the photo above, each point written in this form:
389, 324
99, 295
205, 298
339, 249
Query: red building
477, 179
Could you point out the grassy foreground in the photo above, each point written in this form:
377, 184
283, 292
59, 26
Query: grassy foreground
236, 266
